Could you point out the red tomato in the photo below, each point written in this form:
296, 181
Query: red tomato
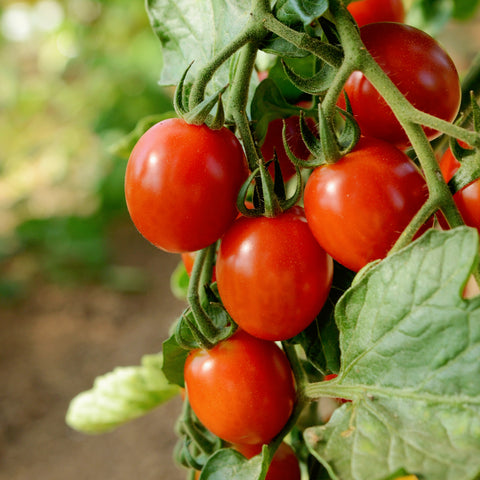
371, 11
284, 464
358, 207
273, 142
418, 66
272, 276
468, 198
242, 389
182, 182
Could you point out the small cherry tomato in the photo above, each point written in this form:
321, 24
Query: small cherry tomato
182, 182
242, 389
272, 275
358, 207
284, 464
418, 66
371, 11
468, 198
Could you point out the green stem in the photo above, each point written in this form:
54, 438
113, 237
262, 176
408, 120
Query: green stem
204, 323
207, 71
326, 52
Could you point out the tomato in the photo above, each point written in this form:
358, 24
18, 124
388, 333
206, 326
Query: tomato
468, 198
358, 207
418, 66
273, 142
242, 389
284, 464
182, 182
371, 11
272, 276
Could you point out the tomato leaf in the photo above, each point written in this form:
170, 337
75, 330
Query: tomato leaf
121, 395
410, 346
191, 31
294, 12
174, 357
464, 9
268, 104
228, 464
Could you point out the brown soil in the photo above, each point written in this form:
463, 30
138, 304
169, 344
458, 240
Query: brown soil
53, 345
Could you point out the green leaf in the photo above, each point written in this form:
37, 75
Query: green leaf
294, 12
120, 396
179, 281
320, 340
174, 361
228, 464
410, 349
193, 31
464, 9
268, 104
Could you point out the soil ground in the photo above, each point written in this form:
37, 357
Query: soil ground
53, 345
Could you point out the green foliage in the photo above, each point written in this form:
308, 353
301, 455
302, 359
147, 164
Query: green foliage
303, 12
228, 464
191, 31
432, 15
410, 345
121, 395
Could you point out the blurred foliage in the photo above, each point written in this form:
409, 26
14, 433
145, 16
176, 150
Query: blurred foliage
76, 76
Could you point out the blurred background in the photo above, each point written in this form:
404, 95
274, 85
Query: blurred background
80, 291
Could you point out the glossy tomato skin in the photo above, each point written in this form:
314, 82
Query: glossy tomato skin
182, 182
242, 389
273, 142
420, 69
468, 198
358, 207
371, 11
284, 464
272, 276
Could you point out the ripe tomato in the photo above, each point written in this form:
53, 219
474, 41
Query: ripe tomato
182, 183
358, 207
418, 66
273, 142
272, 276
371, 11
468, 198
242, 389
284, 464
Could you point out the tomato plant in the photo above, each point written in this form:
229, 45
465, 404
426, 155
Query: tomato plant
418, 66
272, 276
468, 198
371, 11
358, 207
176, 167
289, 320
242, 389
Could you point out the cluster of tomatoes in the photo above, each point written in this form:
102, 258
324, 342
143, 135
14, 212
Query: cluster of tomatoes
274, 274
